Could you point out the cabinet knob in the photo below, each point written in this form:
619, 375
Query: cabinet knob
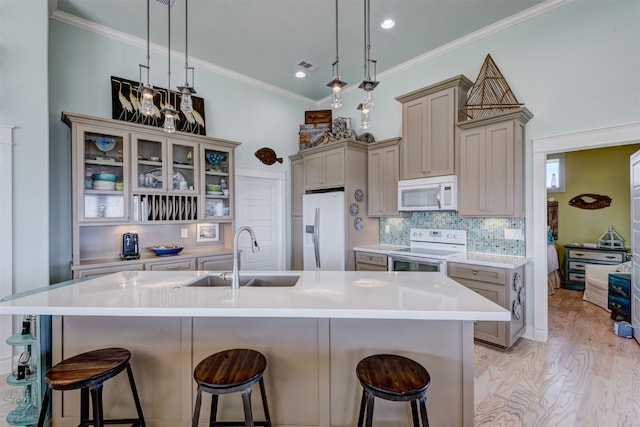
475, 272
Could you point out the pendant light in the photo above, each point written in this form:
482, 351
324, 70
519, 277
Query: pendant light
186, 103
365, 119
168, 111
368, 84
147, 90
336, 84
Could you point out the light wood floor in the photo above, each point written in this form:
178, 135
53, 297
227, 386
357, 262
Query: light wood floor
583, 376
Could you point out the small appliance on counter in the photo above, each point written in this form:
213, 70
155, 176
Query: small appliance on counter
130, 246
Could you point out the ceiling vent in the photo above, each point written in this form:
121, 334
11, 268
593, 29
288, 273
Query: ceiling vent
307, 66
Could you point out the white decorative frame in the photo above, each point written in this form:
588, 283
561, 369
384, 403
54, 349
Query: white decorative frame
207, 233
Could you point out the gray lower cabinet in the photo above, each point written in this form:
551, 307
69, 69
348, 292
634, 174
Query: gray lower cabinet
216, 263
186, 264
370, 261
503, 286
108, 270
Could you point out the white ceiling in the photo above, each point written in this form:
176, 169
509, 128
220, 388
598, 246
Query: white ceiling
265, 39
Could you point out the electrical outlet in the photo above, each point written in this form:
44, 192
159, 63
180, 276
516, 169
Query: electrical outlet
513, 234
387, 228
184, 233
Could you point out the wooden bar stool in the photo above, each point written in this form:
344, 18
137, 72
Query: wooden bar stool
88, 372
395, 378
228, 372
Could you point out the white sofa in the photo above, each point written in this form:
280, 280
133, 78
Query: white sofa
596, 282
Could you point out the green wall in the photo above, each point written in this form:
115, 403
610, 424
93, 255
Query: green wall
600, 171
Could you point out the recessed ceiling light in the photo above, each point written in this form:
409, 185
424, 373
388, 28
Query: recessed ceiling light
300, 74
388, 24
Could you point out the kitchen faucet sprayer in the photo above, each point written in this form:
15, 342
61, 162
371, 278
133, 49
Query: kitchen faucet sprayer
235, 282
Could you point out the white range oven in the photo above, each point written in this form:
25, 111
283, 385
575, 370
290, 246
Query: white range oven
428, 250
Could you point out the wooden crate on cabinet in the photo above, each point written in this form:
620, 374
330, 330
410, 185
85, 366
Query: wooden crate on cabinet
492, 165
383, 172
429, 118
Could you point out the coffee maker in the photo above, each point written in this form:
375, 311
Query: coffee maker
130, 246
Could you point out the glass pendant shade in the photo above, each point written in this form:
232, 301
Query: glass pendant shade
365, 120
336, 99
367, 101
148, 92
186, 103
169, 125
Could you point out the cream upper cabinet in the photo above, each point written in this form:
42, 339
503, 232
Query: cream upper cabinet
325, 169
492, 164
429, 128
383, 172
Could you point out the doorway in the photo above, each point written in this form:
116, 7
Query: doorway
260, 205
537, 219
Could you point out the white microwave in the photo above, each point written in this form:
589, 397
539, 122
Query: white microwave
439, 193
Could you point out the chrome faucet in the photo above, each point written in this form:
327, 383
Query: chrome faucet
235, 281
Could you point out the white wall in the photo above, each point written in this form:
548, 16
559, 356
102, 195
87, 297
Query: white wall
23, 104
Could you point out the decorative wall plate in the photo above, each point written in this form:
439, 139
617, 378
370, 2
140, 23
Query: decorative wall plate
353, 209
358, 223
359, 195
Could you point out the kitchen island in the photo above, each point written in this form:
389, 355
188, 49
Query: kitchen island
313, 334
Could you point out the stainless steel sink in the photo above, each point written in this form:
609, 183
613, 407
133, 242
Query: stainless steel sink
265, 281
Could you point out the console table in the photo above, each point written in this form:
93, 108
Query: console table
577, 256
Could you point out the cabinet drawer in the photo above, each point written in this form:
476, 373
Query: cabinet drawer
620, 285
371, 258
370, 267
578, 277
216, 263
612, 257
577, 265
477, 273
188, 264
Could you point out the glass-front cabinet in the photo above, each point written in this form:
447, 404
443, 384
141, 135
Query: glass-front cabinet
103, 175
217, 182
134, 178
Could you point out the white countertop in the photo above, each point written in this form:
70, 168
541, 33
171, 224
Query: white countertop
489, 260
318, 294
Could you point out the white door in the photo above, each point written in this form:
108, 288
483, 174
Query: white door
635, 244
260, 205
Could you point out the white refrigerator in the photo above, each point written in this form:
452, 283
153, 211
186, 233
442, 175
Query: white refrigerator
323, 217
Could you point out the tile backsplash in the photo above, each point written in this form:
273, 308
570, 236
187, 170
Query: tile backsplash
483, 234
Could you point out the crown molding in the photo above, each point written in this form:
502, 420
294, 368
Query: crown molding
108, 32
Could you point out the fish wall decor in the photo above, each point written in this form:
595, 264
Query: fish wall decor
268, 156
590, 201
